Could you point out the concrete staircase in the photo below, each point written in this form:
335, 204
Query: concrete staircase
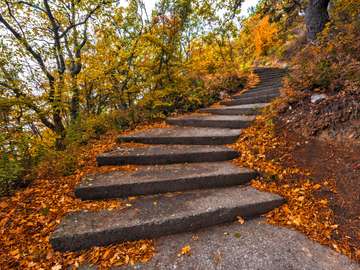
184, 174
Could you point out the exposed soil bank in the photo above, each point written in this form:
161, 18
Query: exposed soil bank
328, 161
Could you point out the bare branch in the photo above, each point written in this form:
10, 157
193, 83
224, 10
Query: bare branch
31, 5
87, 17
55, 28
28, 47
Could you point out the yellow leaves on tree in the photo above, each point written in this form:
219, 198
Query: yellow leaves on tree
258, 38
264, 34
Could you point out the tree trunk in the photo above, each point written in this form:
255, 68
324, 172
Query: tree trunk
316, 17
75, 100
56, 103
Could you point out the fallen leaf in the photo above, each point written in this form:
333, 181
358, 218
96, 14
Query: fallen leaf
56, 267
195, 237
3, 204
185, 251
241, 220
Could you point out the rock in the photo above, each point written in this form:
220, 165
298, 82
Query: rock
316, 98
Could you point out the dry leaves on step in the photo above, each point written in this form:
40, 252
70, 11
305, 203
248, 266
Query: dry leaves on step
241, 220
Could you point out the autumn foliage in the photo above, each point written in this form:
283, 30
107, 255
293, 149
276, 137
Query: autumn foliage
330, 67
112, 67
76, 73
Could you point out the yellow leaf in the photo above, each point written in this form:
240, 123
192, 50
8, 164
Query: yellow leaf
324, 202
3, 205
56, 267
185, 251
301, 198
240, 220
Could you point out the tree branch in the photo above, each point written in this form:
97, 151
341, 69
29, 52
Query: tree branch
31, 5
28, 47
87, 17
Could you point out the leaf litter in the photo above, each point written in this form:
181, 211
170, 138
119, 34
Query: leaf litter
28, 217
303, 211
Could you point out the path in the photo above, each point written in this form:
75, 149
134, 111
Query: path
185, 173
254, 245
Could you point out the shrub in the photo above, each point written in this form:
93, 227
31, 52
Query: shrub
15, 160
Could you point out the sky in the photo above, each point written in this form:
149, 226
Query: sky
246, 5
244, 9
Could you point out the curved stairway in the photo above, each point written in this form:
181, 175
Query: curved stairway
184, 172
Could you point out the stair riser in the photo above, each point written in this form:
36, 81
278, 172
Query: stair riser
233, 111
182, 141
270, 72
249, 94
149, 188
264, 87
211, 123
166, 159
251, 100
157, 229
267, 86
268, 77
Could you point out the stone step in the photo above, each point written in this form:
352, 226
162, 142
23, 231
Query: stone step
272, 76
184, 135
250, 93
214, 121
271, 80
268, 84
269, 70
249, 109
166, 154
156, 179
155, 216
250, 100
257, 92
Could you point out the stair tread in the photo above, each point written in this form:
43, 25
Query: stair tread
245, 106
258, 93
184, 135
166, 154
263, 87
248, 109
216, 121
250, 100
162, 178
218, 117
158, 215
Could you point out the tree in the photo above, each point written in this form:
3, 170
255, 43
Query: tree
316, 17
76, 59
48, 37
316, 13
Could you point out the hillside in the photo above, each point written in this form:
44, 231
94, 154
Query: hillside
183, 136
